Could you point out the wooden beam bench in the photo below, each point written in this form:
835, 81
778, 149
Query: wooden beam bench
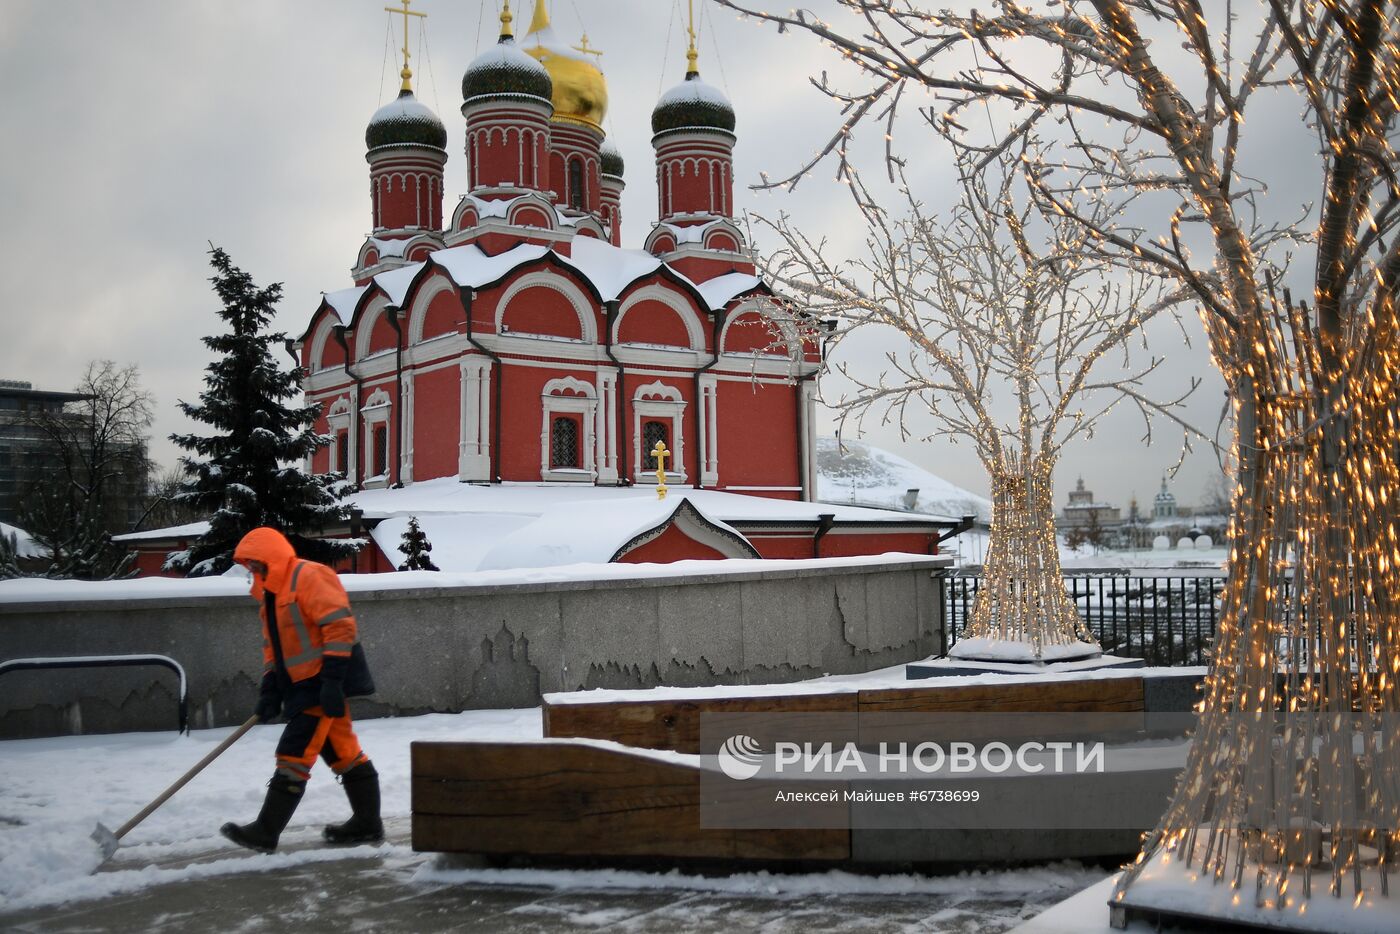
674, 724
568, 800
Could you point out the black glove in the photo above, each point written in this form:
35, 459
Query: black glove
332, 698
269, 699
333, 669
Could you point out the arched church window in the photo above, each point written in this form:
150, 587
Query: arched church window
576, 184
381, 450
563, 442
653, 432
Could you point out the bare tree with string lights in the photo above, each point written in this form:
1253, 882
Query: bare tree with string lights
1003, 318
1146, 100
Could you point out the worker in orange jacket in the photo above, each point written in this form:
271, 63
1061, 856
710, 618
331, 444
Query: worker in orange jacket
311, 662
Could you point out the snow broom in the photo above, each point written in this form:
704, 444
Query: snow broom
109, 841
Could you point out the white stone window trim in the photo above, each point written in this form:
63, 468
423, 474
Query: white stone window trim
654, 402
337, 420
569, 396
373, 413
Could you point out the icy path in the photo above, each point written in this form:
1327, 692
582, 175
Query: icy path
175, 873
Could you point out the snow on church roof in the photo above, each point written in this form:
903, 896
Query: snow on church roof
554, 539
721, 290
609, 269
343, 301
535, 525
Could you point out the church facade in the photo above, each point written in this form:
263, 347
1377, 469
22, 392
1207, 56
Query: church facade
513, 339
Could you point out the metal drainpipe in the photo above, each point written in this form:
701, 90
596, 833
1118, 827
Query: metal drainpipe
699, 402
803, 480
339, 333
623, 477
963, 525
825, 521
497, 371
398, 394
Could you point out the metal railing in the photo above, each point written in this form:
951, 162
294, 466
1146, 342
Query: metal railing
110, 661
1165, 619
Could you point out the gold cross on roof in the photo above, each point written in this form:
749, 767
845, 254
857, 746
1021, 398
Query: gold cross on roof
407, 73
583, 47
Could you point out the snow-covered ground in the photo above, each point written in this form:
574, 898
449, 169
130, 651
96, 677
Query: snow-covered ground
53, 791
856, 473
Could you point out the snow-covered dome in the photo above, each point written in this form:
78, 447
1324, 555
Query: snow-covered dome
611, 158
506, 69
693, 103
405, 121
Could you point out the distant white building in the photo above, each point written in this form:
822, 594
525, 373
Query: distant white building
1084, 510
1164, 503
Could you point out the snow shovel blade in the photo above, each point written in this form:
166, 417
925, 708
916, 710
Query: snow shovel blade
106, 840
109, 841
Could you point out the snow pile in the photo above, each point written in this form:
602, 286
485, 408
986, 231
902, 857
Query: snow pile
1011, 650
778, 885
1170, 885
25, 546
859, 473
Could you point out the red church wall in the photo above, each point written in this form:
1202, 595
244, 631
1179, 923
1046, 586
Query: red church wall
332, 354
437, 407
839, 545
700, 268
748, 333
531, 217
542, 311
521, 415
758, 444
652, 322
443, 315
670, 545
382, 336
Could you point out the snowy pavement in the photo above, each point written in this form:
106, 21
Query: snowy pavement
174, 873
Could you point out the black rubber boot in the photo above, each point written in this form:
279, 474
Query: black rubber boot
283, 796
364, 826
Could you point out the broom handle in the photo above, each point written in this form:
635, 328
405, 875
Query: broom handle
218, 750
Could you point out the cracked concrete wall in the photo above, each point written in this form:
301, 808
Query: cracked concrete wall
455, 648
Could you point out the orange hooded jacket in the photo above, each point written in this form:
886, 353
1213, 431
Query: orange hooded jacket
314, 620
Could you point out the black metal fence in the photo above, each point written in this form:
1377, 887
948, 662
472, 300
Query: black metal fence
1168, 620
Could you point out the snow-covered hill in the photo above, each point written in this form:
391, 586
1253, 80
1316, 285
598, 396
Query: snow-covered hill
860, 473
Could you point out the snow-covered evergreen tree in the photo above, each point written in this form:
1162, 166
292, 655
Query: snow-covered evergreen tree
9, 556
244, 475
415, 547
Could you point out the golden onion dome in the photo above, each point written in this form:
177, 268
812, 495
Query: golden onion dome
580, 90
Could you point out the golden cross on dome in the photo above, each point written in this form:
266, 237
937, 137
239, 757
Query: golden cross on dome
691, 54
407, 73
506, 19
660, 453
583, 47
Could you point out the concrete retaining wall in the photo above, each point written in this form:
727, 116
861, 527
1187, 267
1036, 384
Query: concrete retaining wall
454, 648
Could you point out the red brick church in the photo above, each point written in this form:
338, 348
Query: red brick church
515, 343
518, 341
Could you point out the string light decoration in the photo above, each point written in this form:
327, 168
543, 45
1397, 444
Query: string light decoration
990, 322
1288, 802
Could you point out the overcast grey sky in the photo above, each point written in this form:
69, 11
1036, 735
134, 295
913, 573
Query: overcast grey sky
137, 132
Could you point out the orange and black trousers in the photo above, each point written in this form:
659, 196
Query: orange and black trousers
310, 733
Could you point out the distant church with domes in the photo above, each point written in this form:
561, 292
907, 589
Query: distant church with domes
514, 339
